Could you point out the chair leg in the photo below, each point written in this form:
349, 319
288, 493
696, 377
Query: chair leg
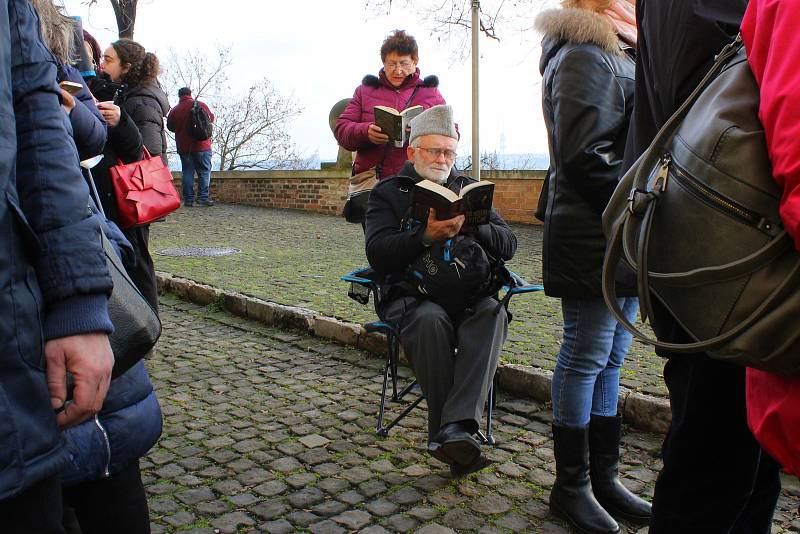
489, 438
385, 430
379, 427
394, 356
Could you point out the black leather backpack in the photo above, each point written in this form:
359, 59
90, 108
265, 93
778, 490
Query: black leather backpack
697, 219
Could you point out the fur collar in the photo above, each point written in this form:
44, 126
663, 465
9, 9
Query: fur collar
578, 26
371, 80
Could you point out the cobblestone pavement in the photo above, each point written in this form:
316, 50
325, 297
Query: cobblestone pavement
271, 431
296, 258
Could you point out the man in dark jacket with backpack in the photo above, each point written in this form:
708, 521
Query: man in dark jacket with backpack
191, 121
433, 326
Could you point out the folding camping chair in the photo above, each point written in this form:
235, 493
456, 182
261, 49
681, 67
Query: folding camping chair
365, 282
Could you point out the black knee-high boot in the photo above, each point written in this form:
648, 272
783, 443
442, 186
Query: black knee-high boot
604, 438
572, 497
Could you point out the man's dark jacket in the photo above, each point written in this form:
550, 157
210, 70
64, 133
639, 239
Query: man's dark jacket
676, 48
587, 100
53, 276
390, 248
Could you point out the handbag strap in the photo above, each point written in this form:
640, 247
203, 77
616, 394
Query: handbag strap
758, 258
145, 155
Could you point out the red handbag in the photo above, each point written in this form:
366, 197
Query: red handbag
773, 414
144, 190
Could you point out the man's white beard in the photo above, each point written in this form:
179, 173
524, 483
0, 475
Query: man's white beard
439, 177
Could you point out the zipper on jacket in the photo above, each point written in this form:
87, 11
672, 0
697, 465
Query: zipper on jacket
716, 200
108, 445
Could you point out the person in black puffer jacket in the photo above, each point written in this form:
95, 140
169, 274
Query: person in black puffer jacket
587, 70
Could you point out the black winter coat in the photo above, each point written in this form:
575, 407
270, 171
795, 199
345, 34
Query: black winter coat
677, 44
587, 99
390, 249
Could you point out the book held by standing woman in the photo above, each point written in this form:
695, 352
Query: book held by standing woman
394, 123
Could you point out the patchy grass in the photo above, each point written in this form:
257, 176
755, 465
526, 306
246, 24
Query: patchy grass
296, 258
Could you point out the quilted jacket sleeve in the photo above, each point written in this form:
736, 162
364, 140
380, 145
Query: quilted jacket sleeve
769, 30
53, 197
146, 113
88, 125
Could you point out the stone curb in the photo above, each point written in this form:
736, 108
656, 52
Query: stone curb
643, 412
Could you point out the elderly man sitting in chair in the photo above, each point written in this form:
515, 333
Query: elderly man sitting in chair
451, 334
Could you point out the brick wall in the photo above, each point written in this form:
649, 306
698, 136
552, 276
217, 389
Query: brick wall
323, 191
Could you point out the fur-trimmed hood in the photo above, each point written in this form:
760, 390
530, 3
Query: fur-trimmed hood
578, 26
371, 80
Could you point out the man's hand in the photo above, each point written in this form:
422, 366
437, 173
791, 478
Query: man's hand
67, 101
437, 230
375, 136
89, 358
110, 112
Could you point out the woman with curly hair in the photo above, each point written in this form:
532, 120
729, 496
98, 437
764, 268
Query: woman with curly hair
141, 100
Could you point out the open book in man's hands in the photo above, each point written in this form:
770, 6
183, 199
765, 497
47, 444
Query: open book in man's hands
474, 202
393, 123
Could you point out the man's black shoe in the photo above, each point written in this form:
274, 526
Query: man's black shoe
459, 471
188, 204
206, 202
454, 444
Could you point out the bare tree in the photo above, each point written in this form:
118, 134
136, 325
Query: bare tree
451, 20
250, 128
125, 13
490, 161
206, 76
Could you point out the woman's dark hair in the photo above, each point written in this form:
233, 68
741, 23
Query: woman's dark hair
400, 43
144, 65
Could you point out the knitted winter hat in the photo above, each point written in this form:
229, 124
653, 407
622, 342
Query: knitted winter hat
437, 120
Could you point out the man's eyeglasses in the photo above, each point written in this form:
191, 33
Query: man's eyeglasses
449, 155
405, 66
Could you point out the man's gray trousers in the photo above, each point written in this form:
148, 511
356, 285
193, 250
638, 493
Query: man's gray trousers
455, 383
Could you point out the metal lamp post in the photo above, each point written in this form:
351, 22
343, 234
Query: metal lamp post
476, 154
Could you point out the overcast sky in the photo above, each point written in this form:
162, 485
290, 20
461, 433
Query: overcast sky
319, 50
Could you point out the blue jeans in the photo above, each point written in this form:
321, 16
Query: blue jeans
586, 378
199, 162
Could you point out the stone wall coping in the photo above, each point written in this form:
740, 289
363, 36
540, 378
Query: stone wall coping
339, 174
641, 411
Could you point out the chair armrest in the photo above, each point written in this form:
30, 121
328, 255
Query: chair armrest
364, 276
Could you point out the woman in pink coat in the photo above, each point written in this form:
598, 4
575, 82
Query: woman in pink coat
398, 85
